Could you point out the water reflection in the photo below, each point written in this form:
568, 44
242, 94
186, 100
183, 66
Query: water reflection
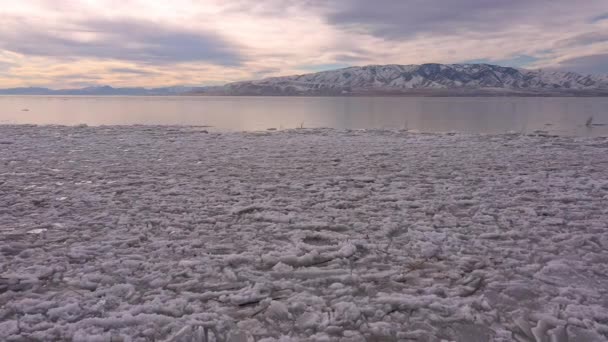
473, 115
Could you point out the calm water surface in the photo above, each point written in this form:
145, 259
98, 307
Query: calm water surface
565, 116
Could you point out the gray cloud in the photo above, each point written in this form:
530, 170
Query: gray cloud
265, 72
132, 71
592, 64
350, 57
583, 39
399, 19
533, 33
129, 40
599, 18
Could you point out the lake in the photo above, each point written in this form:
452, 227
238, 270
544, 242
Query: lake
564, 116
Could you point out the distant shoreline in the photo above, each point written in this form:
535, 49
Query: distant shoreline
417, 94
430, 79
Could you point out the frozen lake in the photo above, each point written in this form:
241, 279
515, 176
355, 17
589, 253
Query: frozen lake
564, 116
156, 233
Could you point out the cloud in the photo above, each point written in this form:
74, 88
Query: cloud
599, 18
403, 19
216, 41
131, 71
5, 66
398, 19
323, 67
592, 64
119, 39
349, 57
520, 61
265, 72
583, 39
78, 80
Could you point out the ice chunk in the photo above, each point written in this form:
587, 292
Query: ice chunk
37, 231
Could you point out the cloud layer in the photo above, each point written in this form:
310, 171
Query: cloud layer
121, 39
62, 43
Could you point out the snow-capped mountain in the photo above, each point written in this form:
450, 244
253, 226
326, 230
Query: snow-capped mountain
426, 78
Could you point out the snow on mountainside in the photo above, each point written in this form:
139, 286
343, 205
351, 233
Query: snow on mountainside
424, 79
403, 79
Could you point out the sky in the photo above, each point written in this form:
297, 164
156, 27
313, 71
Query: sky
148, 43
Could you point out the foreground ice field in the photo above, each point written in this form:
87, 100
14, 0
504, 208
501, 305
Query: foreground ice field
167, 234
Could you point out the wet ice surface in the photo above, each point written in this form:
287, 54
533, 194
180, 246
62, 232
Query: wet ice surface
163, 233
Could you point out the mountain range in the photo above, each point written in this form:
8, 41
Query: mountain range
105, 90
427, 79
401, 80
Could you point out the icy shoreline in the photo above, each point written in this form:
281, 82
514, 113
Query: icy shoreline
150, 233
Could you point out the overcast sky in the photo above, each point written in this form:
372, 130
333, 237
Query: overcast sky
65, 43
